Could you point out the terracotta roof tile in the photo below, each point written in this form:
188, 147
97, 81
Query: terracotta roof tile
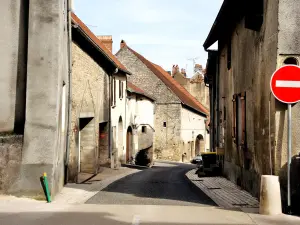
185, 97
101, 46
132, 88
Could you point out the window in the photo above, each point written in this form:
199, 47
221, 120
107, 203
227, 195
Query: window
239, 119
144, 129
165, 124
254, 14
113, 95
63, 108
234, 117
121, 89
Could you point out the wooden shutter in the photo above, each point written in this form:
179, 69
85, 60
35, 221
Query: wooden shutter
120, 89
234, 118
114, 91
243, 113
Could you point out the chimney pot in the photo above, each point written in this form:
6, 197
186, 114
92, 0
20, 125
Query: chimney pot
122, 44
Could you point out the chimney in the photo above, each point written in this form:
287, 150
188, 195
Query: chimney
107, 41
122, 44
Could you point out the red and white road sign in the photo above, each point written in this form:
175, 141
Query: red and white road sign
285, 84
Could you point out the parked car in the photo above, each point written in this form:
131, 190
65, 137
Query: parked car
197, 159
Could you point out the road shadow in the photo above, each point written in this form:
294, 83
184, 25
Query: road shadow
164, 181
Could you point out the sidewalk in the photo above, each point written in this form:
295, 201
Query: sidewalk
223, 192
229, 196
80, 193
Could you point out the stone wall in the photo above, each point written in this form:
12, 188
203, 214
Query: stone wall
90, 86
13, 45
253, 60
167, 138
10, 160
288, 46
47, 86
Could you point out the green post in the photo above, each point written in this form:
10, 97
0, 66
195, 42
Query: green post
47, 187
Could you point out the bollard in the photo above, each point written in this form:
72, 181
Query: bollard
270, 198
48, 196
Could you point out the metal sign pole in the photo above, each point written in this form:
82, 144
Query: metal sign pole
289, 155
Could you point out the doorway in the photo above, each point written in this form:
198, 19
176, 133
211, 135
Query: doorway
120, 140
200, 145
87, 146
129, 145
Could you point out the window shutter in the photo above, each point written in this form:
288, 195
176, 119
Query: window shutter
243, 104
114, 93
120, 89
234, 118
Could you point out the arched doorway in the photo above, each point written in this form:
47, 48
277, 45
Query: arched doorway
120, 139
129, 145
200, 144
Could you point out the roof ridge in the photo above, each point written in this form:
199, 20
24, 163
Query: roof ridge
185, 97
99, 43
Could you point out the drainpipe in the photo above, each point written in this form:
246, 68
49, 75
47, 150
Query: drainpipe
69, 11
217, 104
109, 121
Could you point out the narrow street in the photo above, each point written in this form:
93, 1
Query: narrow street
164, 184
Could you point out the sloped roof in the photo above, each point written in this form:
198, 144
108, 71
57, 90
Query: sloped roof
185, 97
134, 89
99, 44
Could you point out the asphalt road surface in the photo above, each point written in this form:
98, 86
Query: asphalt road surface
163, 184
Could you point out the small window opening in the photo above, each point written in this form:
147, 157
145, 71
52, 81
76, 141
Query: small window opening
290, 61
144, 129
165, 124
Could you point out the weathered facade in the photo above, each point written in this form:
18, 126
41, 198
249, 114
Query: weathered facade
140, 126
194, 85
254, 40
94, 102
34, 89
171, 99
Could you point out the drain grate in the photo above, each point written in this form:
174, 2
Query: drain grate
240, 204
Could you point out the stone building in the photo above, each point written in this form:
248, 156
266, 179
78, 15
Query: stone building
179, 117
254, 39
34, 89
194, 85
139, 126
95, 71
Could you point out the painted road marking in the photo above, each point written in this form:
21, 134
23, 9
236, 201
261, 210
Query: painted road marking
136, 220
287, 83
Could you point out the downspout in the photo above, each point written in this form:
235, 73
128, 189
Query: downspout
69, 11
217, 106
109, 121
125, 99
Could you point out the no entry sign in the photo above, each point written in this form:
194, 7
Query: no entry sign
285, 84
